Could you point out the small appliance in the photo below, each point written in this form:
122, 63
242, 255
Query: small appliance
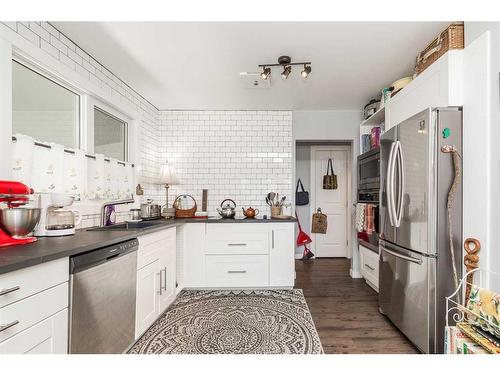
369, 176
16, 222
150, 210
227, 211
55, 220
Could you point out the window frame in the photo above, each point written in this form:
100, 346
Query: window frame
81, 123
125, 130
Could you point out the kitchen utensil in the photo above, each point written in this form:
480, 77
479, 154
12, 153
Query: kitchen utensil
283, 198
54, 219
150, 210
250, 213
19, 223
135, 214
227, 211
271, 196
181, 209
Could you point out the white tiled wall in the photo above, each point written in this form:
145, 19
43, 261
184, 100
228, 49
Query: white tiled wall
241, 155
55, 44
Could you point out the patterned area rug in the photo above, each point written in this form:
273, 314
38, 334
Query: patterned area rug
233, 322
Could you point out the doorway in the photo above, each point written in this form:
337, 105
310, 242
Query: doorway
311, 166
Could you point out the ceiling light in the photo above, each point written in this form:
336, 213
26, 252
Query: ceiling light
306, 71
265, 72
286, 72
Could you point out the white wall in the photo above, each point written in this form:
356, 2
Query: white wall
481, 139
242, 155
340, 126
303, 171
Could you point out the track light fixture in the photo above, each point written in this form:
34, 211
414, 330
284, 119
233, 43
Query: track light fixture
286, 63
306, 71
286, 72
265, 72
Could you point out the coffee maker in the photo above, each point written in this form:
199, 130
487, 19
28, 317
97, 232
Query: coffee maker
56, 219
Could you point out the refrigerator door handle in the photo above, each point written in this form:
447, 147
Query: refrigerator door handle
405, 257
390, 182
401, 182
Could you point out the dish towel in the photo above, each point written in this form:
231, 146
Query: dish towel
369, 219
95, 180
360, 217
48, 164
74, 173
22, 158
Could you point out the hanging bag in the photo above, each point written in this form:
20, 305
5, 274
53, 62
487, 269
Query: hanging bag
301, 197
330, 178
319, 222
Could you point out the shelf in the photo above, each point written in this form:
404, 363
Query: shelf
376, 119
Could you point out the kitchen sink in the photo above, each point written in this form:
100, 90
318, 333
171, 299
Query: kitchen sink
128, 226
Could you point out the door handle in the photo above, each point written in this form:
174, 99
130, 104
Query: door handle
369, 267
389, 183
3, 292
237, 271
165, 279
272, 238
236, 244
4, 327
401, 176
405, 257
159, 274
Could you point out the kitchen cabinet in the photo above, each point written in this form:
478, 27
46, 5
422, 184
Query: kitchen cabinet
156, 277
369, 261
238, 255
34, 309
440, 85
281, 255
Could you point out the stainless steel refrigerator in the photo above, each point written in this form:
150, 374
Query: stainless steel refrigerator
415, 262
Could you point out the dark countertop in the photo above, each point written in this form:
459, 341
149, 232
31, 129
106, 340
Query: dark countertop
50, 248
368, 245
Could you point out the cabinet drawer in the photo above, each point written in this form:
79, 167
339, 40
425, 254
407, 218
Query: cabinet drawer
153, 246
369, 265
31, 310
237, 239
50, 336
23, 283
235, 271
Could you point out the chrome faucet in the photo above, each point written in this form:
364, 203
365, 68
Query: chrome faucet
110, 203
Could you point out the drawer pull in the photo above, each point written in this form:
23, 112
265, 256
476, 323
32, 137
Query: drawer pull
4, 327
237, 271
369, 267
3, 292
236, 244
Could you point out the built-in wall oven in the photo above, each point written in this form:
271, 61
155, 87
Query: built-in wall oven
369, 176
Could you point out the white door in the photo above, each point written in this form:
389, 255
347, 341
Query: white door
333, 203
148, 297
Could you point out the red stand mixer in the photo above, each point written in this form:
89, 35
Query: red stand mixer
16, 222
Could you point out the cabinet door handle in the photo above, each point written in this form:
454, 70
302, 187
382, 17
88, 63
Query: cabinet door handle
3, 292
159, 274
272, 238
243, 271
369, 267
4, 327
236, 244
165, 278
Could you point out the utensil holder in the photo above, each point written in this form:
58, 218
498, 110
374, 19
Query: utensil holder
276, 211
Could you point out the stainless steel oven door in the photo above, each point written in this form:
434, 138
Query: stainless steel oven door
406, 293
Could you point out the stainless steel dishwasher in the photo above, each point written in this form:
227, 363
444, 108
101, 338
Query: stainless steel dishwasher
102, 299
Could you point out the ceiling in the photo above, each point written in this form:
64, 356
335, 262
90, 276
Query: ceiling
196, 65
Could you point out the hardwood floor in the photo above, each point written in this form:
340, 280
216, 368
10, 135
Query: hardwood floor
345, 310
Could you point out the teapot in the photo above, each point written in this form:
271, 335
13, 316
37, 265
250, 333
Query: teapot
227, 211
250, 213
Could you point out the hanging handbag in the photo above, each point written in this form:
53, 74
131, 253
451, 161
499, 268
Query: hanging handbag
301, 197
330, 178
319, 222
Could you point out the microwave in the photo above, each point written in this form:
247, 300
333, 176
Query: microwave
369, 176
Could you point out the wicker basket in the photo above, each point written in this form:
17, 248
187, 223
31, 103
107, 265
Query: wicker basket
182, 212
451, 38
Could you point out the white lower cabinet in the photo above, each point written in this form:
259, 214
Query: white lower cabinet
156, 277
238, 255
34, 309
369, 266
50, 336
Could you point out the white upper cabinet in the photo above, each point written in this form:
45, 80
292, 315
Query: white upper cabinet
440, 85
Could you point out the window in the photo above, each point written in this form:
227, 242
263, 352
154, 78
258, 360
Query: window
43, 109
110, 135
